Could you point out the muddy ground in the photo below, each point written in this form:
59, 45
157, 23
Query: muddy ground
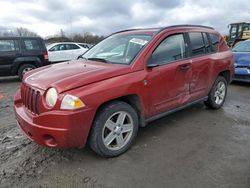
195, 147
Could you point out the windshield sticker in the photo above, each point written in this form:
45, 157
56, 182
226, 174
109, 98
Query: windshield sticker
138, 41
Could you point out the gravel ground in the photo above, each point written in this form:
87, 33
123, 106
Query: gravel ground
195, 147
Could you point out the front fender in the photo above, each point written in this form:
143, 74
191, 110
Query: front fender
96, 94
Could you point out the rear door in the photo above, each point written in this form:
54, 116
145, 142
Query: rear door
9, 49
73, 51
201, 64
169, 74
31, 47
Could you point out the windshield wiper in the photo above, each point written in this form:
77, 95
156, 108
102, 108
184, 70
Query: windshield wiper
81, 57
99, 59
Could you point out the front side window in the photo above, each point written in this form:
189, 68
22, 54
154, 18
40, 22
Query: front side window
31, 44
197, 44
118, 49
242, 47
58, 47
8, 45
170, 49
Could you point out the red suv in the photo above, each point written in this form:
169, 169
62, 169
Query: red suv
127, 80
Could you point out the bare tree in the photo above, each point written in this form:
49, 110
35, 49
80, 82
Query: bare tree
5, 32
24, 32
92, 39
84, 38
62, 33
20, 31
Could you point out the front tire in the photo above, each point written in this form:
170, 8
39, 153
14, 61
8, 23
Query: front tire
114, 129
217, 94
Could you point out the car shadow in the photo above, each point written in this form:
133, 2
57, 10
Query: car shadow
9, 79
144, 137
240, 83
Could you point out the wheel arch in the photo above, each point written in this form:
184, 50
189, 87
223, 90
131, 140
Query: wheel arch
25, 60
226, 74
134, 101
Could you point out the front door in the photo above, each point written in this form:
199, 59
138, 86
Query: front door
57, 53
169, 74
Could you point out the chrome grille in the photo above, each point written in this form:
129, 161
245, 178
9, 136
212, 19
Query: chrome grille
30, 98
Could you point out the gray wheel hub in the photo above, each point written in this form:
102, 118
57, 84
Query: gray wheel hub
117, 130
220, 93
26, 70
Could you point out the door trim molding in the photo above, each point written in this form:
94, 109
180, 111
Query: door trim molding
175, 110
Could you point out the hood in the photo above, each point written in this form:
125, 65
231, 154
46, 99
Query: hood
73, 74
242, 59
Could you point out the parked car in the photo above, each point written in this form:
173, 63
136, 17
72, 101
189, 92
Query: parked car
65, 51
105, 97
242, 61
21, 54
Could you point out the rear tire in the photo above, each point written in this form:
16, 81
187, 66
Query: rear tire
114, 129
23, 69
217, 94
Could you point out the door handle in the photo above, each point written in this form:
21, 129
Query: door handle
185, 67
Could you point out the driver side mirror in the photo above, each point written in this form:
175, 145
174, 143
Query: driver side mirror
151, 63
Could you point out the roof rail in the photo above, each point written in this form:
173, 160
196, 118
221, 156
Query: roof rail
136, 29
125, 31
163, 28
239, 23
187, 25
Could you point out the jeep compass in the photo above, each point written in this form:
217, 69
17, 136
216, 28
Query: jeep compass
125, 81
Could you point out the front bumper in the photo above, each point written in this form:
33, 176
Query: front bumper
242, 74
60, 129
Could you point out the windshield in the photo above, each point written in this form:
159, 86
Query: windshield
242, 47
119, 48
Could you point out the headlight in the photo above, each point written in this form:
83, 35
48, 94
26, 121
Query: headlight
71, 102
51, 97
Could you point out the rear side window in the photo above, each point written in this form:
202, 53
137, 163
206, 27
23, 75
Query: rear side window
31, 44
206, 42
197, 44
8, 45
84, 46
72, 47
170, 49
214, 42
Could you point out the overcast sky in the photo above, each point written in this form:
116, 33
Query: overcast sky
47, 17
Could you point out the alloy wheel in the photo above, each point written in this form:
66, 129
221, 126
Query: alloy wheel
117, 130
220, 93
26, 70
